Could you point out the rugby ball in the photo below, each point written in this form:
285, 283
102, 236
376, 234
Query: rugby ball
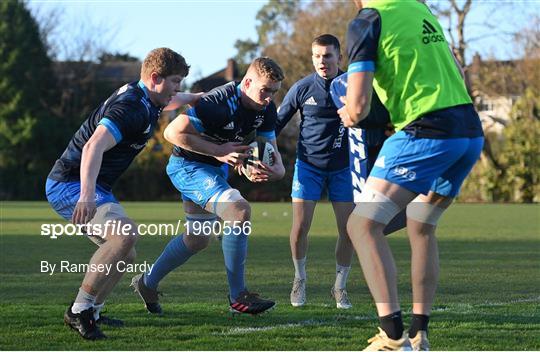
260, 150
338, 89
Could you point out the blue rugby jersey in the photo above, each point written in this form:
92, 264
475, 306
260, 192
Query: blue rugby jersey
220, 117
130, 117
323, 141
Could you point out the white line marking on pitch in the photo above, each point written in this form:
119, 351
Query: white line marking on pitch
521, 300
309, 322
459, 307
468, 307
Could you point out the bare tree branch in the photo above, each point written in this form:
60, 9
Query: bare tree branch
81, 40
48, 21
490, 35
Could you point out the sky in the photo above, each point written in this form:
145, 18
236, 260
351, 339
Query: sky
204, 31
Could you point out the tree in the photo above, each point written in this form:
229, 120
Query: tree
494, 78
285, 31
28, 126
456, 17
512, 170
273, 20
110, 57
80, 39
468, 22
520, 153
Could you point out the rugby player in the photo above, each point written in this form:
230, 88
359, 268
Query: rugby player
217, 131
422, 166
322, 163
79, 186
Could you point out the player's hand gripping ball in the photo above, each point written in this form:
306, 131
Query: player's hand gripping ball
261, 151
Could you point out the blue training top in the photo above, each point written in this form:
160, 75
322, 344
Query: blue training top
220, 117
323, 141
130, 116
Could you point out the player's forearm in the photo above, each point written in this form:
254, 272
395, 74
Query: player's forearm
180, 132
280, 167
181, 99
359, 90
358, 110
197, 144
91, 159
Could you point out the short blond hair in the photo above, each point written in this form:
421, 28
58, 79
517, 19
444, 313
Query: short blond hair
266, 67
165, 62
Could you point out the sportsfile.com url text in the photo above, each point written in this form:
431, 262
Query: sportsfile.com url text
113, 227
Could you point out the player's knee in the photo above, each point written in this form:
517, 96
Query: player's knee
230, 205
356, 224
129, 240
300, 228
124, 240
199, 229
130, 257
242, 210
360, 227
376, 207
239, 210
127, 244
425, 213
343, 234
196, 243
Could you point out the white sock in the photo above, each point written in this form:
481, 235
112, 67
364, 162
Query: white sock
300, 268
97, 310
83, 301
342, 273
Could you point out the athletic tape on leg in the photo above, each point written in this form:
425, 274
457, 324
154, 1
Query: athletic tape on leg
376, 206
223, 200
110, 212
423, 212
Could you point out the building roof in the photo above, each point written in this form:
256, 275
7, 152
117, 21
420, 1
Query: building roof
216, 79
119, 72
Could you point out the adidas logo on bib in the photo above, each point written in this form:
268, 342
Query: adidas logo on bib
430, 34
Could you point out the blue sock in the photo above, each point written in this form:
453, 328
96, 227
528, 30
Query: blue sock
175, 254
235, 252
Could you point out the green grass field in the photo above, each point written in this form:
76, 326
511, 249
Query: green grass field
488, 296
